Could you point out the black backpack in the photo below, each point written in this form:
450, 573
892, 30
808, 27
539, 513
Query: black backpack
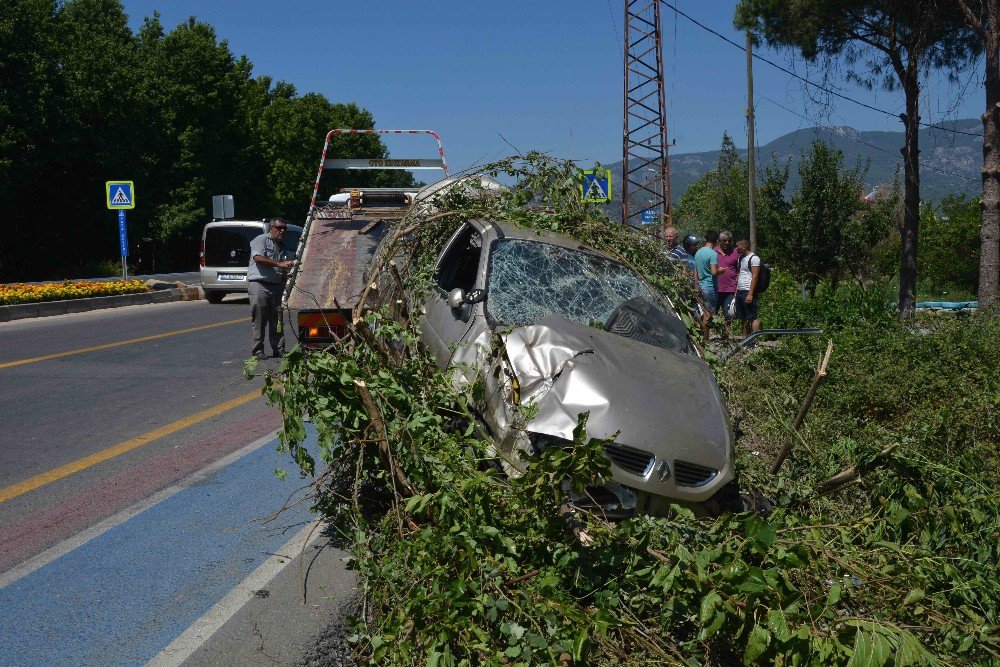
763, 276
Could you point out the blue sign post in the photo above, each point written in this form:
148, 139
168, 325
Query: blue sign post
649, 216
121, 197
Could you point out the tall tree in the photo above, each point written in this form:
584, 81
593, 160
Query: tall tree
33, 125
887, 43
827, 200
108, 108
983, 17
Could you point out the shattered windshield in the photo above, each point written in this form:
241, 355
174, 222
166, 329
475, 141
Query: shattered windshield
531, 280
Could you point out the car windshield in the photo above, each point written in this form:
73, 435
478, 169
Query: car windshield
531, 280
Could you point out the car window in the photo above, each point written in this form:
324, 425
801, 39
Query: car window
229, 246
459, 265
531, 280
292, 241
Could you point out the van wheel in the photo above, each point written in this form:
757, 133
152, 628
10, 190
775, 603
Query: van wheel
214, 296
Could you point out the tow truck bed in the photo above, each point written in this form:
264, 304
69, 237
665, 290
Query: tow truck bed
331, 272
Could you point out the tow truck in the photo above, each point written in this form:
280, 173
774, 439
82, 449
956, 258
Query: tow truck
339, 238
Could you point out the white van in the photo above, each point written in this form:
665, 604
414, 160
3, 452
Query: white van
225, 254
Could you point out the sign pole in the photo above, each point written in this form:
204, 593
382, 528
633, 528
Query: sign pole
121, 196
123, 242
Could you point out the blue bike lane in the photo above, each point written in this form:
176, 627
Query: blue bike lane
122, 596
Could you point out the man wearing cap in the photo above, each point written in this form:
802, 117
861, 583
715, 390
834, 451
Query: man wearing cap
266, 274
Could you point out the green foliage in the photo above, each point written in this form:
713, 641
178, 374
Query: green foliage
719, 200
948, 255
461, 565
85, 100
829, 230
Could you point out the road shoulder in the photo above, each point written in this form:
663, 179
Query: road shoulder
278, 620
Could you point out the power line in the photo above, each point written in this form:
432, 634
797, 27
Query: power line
923, 165
615, 24
809, 81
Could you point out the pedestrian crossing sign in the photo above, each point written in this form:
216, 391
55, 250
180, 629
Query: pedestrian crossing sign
121, 195
595, 185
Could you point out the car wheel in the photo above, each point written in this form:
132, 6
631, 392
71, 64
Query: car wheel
214, 296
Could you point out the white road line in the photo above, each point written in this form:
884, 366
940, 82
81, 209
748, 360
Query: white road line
202, 630
64, 547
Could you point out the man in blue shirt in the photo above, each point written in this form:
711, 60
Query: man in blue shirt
706, 262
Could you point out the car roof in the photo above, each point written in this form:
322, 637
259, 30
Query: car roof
509, 230
242, 223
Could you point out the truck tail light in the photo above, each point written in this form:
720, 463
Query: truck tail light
321, 329
201, 253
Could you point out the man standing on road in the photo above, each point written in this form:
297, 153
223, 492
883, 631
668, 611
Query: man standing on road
729, 261
746, 288
266, 281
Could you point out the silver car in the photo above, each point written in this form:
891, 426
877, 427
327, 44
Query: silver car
580, 332
225, 254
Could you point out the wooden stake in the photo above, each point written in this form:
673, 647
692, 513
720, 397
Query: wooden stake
806, 404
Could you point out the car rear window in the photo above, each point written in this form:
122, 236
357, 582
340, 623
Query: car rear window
229, 246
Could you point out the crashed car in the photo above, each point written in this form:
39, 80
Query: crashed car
552, 329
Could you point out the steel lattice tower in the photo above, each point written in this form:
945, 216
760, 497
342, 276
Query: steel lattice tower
645, 163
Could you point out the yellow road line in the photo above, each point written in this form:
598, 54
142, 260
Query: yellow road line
8, 364
127, 446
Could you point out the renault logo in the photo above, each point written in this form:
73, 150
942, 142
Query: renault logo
664, 471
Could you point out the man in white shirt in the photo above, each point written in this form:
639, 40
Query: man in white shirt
746, 288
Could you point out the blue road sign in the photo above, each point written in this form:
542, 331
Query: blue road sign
122, 233
595, 185
121, 194
649, 216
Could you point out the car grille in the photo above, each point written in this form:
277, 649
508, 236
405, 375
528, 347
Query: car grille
630, 459
692, 474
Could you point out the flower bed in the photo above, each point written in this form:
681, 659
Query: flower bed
17, 293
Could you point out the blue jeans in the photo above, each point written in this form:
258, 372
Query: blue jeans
708, 297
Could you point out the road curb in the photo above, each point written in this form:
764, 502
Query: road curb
49, 308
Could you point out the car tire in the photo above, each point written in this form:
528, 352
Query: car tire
214, 296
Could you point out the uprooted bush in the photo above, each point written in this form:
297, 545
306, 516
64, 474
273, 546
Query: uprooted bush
460, 565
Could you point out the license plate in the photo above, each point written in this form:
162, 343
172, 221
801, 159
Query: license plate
232, 276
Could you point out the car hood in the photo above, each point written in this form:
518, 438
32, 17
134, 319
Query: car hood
660, 401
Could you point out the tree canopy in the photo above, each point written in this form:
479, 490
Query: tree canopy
884, 43
84, 100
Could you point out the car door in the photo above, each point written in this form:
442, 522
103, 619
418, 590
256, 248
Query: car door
443, 327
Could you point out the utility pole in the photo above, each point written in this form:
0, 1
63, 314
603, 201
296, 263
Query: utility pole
645, 160
751, 167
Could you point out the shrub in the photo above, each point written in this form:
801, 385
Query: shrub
16, 293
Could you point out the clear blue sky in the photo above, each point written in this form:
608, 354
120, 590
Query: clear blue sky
546, 74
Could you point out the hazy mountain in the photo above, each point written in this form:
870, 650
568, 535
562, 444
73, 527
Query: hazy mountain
950, 163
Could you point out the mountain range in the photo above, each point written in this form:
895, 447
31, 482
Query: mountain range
950, 162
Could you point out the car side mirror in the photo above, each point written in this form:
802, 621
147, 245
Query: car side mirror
458, 297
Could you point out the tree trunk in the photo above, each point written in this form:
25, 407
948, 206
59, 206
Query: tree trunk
989, 257
911, 195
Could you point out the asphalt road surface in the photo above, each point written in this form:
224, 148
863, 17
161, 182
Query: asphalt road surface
136, 481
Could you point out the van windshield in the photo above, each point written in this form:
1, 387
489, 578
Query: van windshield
230, 246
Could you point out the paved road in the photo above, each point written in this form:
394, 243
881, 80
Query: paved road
110, 545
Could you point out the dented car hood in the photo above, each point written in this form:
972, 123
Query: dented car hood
658, 400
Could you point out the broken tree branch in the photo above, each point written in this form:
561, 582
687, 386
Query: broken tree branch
806, 404
853, 473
